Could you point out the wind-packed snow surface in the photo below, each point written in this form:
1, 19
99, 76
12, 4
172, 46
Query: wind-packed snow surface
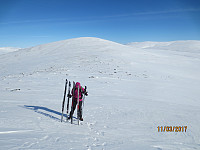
132, 89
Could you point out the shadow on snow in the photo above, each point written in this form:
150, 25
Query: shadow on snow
40, 109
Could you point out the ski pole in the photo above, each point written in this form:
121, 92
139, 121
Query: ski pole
63, 103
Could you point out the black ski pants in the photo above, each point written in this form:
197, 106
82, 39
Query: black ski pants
74, 103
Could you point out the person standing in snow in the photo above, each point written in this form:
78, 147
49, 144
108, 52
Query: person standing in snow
74, 95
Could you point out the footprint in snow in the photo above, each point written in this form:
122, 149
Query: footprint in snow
44, 138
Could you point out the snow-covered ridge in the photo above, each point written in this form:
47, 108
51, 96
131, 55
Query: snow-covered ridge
82, 51
87, 51
4, 50
147, 44
76, 46
83, 44
181, 46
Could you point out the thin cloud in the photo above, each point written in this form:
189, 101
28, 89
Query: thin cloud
40, 36
32, 21
102, 18
157, 12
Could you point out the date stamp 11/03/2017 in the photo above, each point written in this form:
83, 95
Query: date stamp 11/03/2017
172, 128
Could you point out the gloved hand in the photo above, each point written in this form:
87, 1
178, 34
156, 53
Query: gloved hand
69, 95
86, 93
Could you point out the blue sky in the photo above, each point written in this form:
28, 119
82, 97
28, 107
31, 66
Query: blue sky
26, 23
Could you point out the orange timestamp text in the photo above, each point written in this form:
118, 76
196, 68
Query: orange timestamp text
172, 128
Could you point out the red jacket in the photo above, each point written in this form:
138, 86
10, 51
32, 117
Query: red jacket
75, 91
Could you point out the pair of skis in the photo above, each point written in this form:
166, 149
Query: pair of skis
63, 103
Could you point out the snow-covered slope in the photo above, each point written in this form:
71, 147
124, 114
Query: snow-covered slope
185, 48
181, 46
67, 53
4, 50
148, 44
132, 91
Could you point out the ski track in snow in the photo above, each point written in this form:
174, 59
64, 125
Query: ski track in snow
19, 131
130, 95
